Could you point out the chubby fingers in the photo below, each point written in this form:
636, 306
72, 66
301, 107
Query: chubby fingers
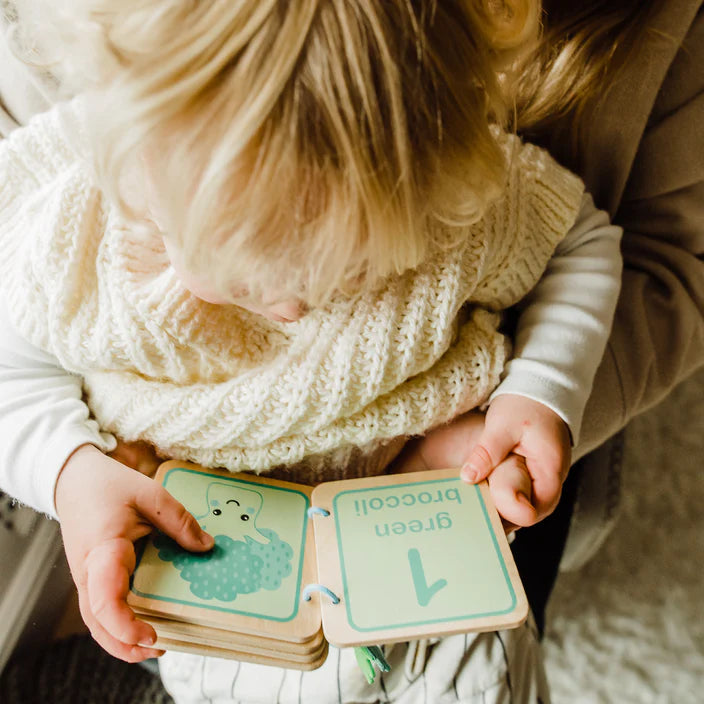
108, 566
511, 489
163, 511
112, 623
493, 445
547, 489
123, 651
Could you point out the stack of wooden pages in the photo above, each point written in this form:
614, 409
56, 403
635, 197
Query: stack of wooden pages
353, 563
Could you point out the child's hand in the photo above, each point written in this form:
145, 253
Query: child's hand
104, 507
137, 455
450, 445
445, 446
524, 450
526, 479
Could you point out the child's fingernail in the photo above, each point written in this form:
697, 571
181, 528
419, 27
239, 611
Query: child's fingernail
206, 540
149, 640
469, 473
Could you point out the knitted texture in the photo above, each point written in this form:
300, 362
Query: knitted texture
222, 387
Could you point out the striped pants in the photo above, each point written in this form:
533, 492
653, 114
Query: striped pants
503, 667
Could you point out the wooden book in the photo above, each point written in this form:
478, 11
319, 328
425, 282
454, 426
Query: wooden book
351, 563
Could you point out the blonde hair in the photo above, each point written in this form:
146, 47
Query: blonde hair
323, 142
569, 72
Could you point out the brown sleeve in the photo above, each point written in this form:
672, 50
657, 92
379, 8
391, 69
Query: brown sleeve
658, 333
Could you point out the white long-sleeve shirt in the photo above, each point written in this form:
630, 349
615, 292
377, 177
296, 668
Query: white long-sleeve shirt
560, 338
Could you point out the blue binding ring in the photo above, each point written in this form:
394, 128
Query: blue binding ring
319, 588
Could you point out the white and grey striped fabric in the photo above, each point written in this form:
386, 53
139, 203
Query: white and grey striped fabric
502, 667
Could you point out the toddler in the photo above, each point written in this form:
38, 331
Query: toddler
278, 240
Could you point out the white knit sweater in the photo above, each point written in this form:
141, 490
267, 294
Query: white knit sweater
222, 387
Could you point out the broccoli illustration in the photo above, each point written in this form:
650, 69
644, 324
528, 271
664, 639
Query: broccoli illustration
244, 559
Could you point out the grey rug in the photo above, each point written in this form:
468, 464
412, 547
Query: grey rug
629, 626
77, 671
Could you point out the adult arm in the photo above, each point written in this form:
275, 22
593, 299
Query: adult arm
658, 334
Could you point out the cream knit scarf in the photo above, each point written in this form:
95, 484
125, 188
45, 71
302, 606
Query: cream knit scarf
222, 387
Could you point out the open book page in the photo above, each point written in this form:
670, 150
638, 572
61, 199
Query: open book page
355, 562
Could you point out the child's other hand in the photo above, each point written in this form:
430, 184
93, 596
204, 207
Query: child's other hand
104, 507
137, 455
442, 447
524, 450
450, 445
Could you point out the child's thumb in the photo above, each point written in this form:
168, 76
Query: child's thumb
486, 454
172, 518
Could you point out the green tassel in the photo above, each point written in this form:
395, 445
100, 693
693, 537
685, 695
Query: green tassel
379, 659
365, 664
369, 656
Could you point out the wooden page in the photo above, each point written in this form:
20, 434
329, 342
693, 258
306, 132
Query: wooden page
228, 639
250, 582
413, 555
242, 656
233, 643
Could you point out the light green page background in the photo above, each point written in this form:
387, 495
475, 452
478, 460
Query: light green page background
454, 563
281, 510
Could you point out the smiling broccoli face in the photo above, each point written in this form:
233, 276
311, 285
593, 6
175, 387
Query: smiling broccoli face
232, 511
244, 559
